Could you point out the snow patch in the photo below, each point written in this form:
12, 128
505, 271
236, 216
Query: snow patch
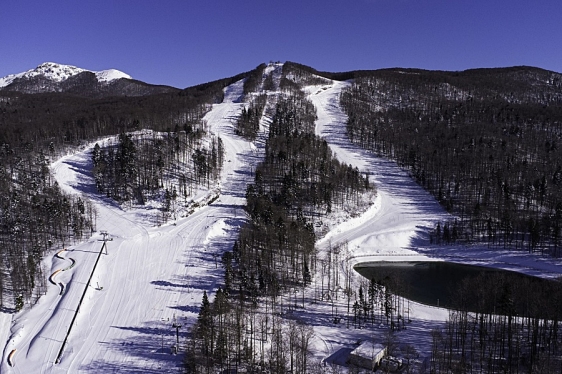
271, 67
216, 230
111, 75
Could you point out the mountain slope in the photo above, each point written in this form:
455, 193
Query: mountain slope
150, 275
53, 77
58, 73
153, 277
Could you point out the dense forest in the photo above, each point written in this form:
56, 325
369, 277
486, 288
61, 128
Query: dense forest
165, 167
485, 143
248, 123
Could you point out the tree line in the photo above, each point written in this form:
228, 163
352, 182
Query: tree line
502, 326
165, 167
248, 123
298, 181
484, 142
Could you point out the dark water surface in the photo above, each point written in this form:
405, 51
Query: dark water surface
437, 283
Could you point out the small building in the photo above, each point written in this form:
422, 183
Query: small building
367, 355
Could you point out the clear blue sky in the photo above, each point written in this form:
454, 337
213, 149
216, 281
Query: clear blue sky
183, 42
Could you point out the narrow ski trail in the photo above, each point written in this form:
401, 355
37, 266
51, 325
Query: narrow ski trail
403, 211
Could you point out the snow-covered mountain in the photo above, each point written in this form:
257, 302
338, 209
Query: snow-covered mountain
59, 73
54, 77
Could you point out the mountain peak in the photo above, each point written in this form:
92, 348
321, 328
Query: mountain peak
55, 72
111, 74
58, 73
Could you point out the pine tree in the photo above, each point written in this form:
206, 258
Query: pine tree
205, 326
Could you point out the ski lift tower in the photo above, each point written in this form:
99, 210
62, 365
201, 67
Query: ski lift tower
177, 326
105, 239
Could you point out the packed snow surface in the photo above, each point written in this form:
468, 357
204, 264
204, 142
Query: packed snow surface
58, 73
149, 278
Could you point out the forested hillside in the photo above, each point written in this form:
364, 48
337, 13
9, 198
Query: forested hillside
161, 167
298, 184
34, 215
86, 85
37, 128
485, 143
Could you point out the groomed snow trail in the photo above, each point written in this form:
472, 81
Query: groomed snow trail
150, 278
403, 212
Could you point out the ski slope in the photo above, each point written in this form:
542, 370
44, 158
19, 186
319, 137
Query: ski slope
149, 276
396, 227
403, 212
152, 277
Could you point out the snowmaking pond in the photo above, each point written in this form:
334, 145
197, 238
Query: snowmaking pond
446, 284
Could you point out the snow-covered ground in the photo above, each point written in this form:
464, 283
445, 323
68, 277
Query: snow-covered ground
149, 276
152, 277
396, 227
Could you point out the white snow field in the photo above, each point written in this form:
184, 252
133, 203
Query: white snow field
152, 277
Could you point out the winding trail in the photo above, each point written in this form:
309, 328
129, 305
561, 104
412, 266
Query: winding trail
403, 212
52, 277
26, 335
150, 275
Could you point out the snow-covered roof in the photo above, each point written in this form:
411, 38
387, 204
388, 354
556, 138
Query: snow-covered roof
368, 349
